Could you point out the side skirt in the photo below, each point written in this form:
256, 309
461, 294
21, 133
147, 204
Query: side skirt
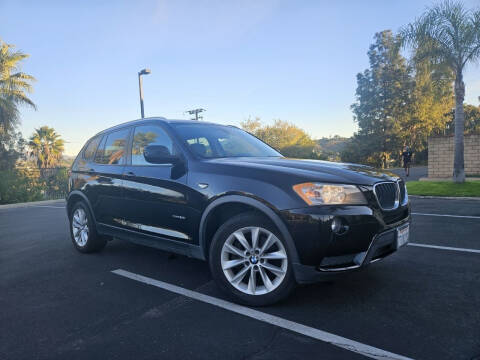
156, 242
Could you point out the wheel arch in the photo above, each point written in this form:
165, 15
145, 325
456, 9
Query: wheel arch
244, 203
76, 196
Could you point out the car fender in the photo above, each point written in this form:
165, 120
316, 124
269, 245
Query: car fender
84, 197
260, 206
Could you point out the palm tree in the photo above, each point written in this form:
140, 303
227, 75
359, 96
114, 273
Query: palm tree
46, 146
448, 34
14, 86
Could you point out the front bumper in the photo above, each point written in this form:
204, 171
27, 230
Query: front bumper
372, 235
382, 245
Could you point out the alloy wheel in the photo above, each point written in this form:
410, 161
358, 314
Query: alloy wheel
80, 227
254, 260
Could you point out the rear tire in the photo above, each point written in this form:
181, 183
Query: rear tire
82, 230
250, 261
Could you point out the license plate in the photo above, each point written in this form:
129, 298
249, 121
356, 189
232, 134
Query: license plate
402, 235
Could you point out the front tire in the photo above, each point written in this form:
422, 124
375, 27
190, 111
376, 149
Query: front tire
249, 260
82, 230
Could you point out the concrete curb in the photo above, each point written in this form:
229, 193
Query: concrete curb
468, 179
26, 204
444, 197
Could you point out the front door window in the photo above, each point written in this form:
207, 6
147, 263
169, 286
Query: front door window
148, 135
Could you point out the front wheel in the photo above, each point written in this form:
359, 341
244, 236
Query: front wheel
250, 261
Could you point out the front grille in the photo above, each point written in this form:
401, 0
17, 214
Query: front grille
401, 186
387, 195
403, 193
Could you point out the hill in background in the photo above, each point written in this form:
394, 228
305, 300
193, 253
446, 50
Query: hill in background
331, 147
67, 160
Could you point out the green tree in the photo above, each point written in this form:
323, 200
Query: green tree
57, 183
280, 134
46, 146
383, 100
472, 120
448, 34
14, 87
287, 138
12, 147
252, 126
359, 150
431, 101
332, 147
17, 185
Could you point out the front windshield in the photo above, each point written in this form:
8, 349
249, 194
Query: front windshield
215, 141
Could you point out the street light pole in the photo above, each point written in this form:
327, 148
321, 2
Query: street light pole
140, 88
141, 95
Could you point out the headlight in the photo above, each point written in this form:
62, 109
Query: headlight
330, 194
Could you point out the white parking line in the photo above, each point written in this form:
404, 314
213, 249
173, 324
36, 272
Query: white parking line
445, 215
366, 350
445, 248
46, 206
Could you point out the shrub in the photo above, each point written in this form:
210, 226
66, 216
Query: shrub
19, 186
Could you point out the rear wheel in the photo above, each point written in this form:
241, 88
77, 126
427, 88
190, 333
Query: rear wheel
250, 261
82, 230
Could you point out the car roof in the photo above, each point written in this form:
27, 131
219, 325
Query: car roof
150, 119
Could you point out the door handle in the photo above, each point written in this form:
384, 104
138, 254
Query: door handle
130, 173
104, 180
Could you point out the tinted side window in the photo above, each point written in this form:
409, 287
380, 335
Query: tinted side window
91, 148
148, 135
100, 150
114, 150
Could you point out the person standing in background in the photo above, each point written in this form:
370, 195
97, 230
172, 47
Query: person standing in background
407, 159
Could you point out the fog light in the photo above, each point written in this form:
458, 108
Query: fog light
338, 226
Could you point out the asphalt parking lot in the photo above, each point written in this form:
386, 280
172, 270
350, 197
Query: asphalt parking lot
416, 172
420, 303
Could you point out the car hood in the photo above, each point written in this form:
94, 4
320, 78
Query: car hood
313, 170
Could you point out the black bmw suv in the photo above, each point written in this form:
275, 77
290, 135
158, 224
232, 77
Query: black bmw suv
213, 192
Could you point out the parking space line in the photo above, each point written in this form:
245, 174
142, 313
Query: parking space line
445, 248
339, 341
46, 206
445, 215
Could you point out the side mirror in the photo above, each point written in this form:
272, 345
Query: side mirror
159, 154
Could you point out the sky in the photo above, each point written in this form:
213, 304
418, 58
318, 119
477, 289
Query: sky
292, 60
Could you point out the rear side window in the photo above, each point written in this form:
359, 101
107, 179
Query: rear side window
91, 148
148, 135
100, 150
113, 149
